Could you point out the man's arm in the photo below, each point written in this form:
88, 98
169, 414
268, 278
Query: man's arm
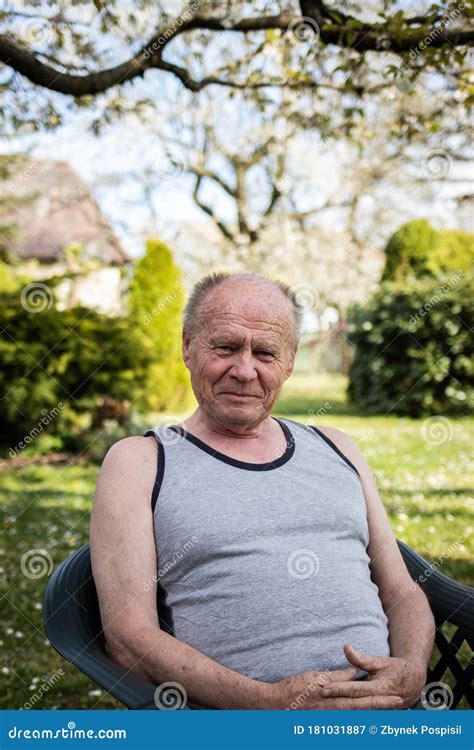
125, 573
411, 623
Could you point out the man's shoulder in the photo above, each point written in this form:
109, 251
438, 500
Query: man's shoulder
128, 473
131, 447
346, 444
337, 436
131, 459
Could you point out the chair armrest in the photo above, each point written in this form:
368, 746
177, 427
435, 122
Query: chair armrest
449, 599
73, 627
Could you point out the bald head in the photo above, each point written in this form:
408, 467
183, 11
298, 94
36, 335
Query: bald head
216, 290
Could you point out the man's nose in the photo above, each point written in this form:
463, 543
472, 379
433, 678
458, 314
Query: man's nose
243, 367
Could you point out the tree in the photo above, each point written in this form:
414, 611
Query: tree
429, 33
299, 65
248, 158
156, 302
271, 194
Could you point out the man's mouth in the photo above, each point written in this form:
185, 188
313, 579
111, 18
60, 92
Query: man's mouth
238, 395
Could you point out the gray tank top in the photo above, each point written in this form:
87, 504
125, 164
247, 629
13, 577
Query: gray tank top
263, 567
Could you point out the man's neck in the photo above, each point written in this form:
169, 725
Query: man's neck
202, 424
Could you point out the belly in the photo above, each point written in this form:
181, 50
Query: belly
269, 620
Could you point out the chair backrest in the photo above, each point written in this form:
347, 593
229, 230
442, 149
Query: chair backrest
452, 605
72, 624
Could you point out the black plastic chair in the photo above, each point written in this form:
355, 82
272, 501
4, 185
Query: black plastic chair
452, 605
72, 624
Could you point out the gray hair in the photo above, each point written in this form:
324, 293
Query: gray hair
202, 288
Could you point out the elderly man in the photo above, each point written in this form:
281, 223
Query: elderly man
244, 560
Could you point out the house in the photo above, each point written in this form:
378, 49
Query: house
465, 211
61, 231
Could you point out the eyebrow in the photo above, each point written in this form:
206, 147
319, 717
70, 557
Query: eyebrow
227, 339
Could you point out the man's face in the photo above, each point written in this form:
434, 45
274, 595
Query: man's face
242, 353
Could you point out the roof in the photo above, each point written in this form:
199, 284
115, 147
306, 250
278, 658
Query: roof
56, 209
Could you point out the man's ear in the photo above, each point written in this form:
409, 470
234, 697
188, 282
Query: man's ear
291, 365
186, 340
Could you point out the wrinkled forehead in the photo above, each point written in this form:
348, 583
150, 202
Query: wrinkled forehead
247, 310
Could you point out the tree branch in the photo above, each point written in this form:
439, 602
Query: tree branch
362, 37
347, 31
208, 210
202, 172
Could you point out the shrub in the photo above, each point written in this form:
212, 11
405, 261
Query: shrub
97, 442
417, 249
414, 351
454, 251
55, 364
156, 303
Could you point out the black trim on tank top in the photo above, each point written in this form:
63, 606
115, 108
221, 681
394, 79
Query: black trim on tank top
290, 449
160, 468
334, 447
165, 613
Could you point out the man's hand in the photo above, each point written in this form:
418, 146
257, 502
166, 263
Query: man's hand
387, 675
305, 692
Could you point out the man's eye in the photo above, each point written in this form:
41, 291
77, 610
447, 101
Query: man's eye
223, 348
264, 354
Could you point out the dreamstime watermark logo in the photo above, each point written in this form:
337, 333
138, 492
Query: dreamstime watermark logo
437, 696
167, 435
446, 19
30, 170
45, 420
170, 164
305, 297
304, 30
303, 563
301, 35
303, 697
64, 733
36, 563
170, 696
437, 430
423, 577
315, 416
171, 297
174, 559
37, 32
39, 157
170, 32
436, 164
47, 682
324, 409
321, 681
437, 297
36, 297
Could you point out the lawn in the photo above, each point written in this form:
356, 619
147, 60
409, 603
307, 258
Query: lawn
425, 488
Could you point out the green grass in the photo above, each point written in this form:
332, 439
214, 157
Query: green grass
425, 488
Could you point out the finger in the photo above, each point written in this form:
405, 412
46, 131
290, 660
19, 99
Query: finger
368, 703
354, 689
337, 674
364, 661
